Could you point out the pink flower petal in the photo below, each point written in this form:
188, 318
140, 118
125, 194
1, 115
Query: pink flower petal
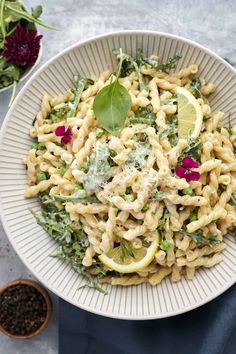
189, 163
180, 171
66, 139
60, 131
192, 176
68, 131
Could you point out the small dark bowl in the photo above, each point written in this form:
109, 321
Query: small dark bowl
48, 301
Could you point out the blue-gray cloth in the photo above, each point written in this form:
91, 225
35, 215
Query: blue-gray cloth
210, 329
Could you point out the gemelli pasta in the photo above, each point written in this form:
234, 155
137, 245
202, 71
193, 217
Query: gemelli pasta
139, 203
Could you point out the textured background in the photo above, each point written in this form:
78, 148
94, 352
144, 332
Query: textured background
210, 22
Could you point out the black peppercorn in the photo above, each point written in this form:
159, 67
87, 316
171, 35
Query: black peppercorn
23, 309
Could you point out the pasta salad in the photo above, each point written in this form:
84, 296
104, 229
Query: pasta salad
134, 173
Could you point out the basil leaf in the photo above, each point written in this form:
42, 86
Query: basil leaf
111, 106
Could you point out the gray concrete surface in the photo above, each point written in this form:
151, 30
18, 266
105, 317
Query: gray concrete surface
209, 22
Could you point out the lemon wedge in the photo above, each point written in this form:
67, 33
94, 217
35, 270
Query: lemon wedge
189, 114
126, 259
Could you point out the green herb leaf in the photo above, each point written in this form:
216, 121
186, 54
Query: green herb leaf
166, 67
195, 88
8, 73
125, 250
15, 12
111, 105
200, 239
144, 115
81, 84
171, 132
72, 240
193, 150
37, 11
232, 200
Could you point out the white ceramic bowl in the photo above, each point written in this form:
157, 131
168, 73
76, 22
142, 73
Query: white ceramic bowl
33, 244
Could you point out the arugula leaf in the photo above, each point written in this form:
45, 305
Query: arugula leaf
8, 73
128, 65
171, 131
200, 239
14, 12
193, 150
144, 115
166, 67
112, 103
2, 24
72, 240
229, 128
195, 88
81, 85
232, 200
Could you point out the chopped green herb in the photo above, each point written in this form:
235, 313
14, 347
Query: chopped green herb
81, 85
125, 250
130, 64
232, 200
171, 101
171, 132
193, 150
153, 63
229, 125
200, 239
195, 88
144, 115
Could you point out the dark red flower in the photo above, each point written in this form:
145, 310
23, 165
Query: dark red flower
185, 171
22, 47
65, 133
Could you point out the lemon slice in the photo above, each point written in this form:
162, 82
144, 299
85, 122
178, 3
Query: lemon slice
133, 259
189, 114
